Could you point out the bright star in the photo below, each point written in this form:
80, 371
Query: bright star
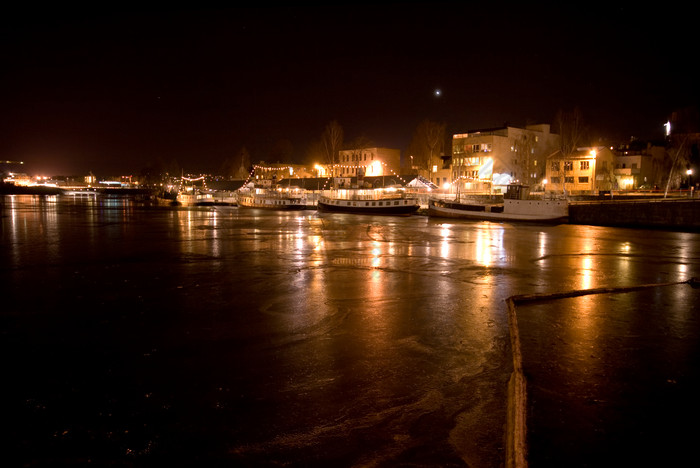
438, 93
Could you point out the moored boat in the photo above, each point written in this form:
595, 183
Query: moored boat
194, 198
280, 198
390, 201
515, 207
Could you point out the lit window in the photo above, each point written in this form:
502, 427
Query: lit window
585, 165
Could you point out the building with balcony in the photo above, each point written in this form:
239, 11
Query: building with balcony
585, 171
490, 159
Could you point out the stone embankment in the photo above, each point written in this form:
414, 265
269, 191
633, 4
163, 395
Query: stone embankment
680, 214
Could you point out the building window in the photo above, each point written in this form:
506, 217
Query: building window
476, 148
583, 180
568, 165
555, 166
556, 180
568, 180
585, 165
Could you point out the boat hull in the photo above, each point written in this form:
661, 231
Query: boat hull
538, 211
279, 204
393, 207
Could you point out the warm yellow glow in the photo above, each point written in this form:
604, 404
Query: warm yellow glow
374, 169
434, 167
593, 153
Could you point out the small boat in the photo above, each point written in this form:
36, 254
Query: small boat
194, 198
515, 207
269, 198
390, 201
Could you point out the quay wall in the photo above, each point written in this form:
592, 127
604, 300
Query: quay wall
671, 214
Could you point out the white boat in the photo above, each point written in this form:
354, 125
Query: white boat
279, 198
515, 207
194, 198
390, 201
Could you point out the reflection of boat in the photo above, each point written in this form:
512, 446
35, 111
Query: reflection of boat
390, 201
515, 207
268, 198
225, 198
166, 198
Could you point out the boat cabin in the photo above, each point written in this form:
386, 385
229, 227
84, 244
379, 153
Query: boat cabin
517, 192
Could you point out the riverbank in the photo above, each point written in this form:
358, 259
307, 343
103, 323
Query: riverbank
677, 214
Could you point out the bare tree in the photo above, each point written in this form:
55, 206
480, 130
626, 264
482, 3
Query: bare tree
680, 159
244, 166
523, 147
428, 143
571, 130
331, 142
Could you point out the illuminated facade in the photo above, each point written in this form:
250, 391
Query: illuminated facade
485, 160
368, 162
586, 170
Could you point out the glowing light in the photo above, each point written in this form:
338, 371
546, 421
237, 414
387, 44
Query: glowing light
486, 170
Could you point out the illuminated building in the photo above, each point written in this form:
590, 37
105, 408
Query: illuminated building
368, 162
489, 159
585, 171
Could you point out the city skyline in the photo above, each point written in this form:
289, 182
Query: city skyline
110, 91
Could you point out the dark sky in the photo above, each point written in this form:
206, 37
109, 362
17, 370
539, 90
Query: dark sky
112, 91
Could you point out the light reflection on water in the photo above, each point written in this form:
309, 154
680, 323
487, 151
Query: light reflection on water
331, 324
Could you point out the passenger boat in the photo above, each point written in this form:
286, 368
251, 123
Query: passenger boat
194, 198
390, 201
279, 198
515, 207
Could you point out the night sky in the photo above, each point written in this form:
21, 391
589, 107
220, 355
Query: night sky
112, 91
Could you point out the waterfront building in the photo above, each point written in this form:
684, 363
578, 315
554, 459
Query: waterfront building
584, 171
368, 162
489, 159
634, 165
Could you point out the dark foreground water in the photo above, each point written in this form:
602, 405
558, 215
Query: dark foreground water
136, 335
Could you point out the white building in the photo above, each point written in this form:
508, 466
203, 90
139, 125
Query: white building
489, 159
